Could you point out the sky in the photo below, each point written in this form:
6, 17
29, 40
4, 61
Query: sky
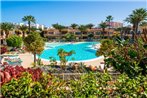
68, 12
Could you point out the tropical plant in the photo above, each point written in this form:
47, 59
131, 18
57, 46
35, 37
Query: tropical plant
83, 29
109, 19
3, 49
103, 25
106, 48
9, 72
58, 26
39, 61
137, 17
123, 31
29, 19
126, 57
35, 44
14, 41
62, 55
90, 36
70, 37
143, 23
74, 26
90, 25
33, 29
24, 29
53, 61
6, 27
91, 85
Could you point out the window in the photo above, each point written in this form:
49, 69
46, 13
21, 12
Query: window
51, 32
78, 33
98, 33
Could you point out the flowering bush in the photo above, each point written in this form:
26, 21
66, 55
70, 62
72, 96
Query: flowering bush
10, 72
92, 85
126, 56
3, 50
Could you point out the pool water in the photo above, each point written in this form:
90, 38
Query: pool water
83, 50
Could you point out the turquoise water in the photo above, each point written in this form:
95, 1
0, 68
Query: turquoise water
83, 51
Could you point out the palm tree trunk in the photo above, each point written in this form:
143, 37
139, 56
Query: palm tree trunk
29, 26
103, 32
82, 35
34, 59
121, 34
7, 33
136, 28
23, 34
109, 30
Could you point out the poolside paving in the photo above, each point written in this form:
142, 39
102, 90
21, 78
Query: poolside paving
27, 59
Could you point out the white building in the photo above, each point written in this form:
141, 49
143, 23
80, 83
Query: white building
38, 26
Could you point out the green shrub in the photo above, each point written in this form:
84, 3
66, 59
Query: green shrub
14, 41
35, 44
93, 85
18, 88
125, 56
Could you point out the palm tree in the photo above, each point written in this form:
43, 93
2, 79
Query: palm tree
83, 29
24, 30
29, 19
6, 27
59, 27
62, 55
109, 19
143, 24
33, 29
137, 17
90, 25
74, 26
70, 37
123, 31
103, 25
35, 44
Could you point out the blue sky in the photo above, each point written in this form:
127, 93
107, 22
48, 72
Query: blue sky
68, 12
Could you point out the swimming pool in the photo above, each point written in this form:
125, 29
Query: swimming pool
84, 51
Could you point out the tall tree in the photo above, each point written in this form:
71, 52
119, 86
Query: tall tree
90, 25
35, 44
6, 27
143, 23
74, 26
83, 29
103, 25
70, 37
109, 20
137, 17
24, 30
29, 19
58, 26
